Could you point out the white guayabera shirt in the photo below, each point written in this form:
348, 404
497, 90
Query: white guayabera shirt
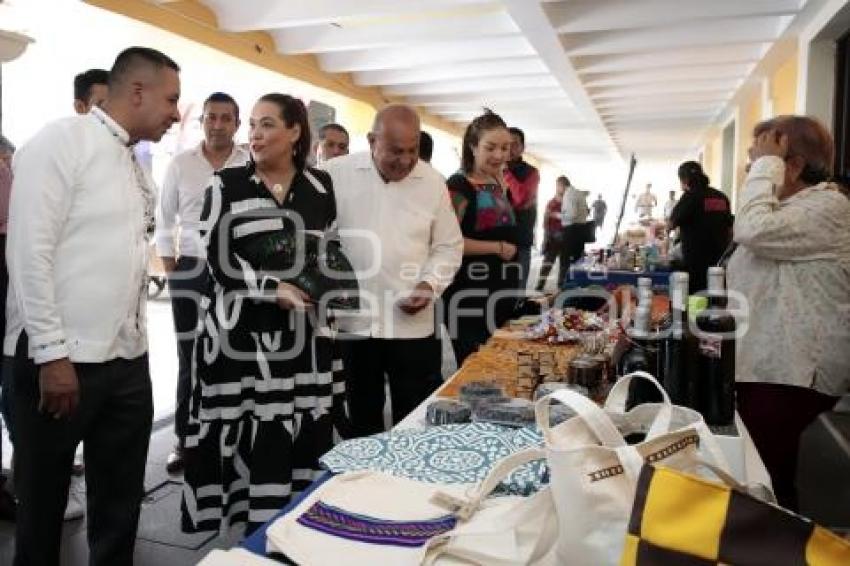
793, 267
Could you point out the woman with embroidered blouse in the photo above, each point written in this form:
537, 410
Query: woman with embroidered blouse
792, 266
489, 227
267, 394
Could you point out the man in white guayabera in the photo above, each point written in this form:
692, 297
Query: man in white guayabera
399, 230
80, 221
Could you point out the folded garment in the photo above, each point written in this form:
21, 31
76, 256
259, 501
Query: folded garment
366, 518
446, 454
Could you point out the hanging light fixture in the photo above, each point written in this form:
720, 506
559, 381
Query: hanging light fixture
12, 45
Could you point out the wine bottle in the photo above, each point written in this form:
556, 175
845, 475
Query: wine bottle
715, 382
674, 352
642, 356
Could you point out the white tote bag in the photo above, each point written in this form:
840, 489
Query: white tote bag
501, 531
498, 531
654, 419
594, 471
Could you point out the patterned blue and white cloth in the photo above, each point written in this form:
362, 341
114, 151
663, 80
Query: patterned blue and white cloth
448, 454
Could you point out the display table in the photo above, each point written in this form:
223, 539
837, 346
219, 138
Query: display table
744, 459
739, 450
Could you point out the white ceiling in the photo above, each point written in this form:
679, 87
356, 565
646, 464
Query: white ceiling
587, 80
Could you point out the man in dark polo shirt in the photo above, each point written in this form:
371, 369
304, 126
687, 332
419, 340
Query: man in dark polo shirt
704, 219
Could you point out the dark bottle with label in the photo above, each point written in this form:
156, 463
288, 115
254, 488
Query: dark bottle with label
715, 356
641, 356
675, 364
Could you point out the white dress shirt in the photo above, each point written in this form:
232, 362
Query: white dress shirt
793, 268
79, 218
182, 200
574, 209
396, 235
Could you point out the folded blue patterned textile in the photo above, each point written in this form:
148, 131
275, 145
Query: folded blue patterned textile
448, 454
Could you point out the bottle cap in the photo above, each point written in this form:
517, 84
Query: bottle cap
679, 277
716, 279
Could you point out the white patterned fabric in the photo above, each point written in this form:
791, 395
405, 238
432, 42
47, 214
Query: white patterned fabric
448, 454
793, 267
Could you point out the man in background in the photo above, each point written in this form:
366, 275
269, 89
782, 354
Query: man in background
600, 209
574, 212
553, 238
645, 204
669, 206
333, 142
90, 89
180, 204
522, 179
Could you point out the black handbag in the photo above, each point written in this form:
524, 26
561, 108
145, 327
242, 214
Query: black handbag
325, 268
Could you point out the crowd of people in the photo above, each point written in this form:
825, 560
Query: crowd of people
267, 382
271, 376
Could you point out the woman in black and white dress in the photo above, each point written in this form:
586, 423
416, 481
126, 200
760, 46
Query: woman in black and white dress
268, 397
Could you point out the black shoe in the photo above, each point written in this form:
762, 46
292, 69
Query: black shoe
174, 463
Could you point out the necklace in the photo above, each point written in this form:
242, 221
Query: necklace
278, 191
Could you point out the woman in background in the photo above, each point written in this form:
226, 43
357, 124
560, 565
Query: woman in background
553, 238
487, 220
792, 266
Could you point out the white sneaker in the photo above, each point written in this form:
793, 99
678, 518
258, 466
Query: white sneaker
76, 508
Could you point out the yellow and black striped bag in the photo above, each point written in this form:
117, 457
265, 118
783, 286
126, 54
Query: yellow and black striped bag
684, 520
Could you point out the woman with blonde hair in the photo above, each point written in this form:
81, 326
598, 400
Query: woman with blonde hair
792, 266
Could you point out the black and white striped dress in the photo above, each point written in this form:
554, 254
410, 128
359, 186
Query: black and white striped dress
259, 417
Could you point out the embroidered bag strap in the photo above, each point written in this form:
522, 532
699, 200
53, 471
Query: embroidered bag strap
464, 508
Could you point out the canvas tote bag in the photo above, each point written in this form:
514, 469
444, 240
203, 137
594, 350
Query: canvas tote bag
372, 518
594, 471
678, 518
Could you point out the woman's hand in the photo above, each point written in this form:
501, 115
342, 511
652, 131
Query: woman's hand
507, 251
290, 297
770, 142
